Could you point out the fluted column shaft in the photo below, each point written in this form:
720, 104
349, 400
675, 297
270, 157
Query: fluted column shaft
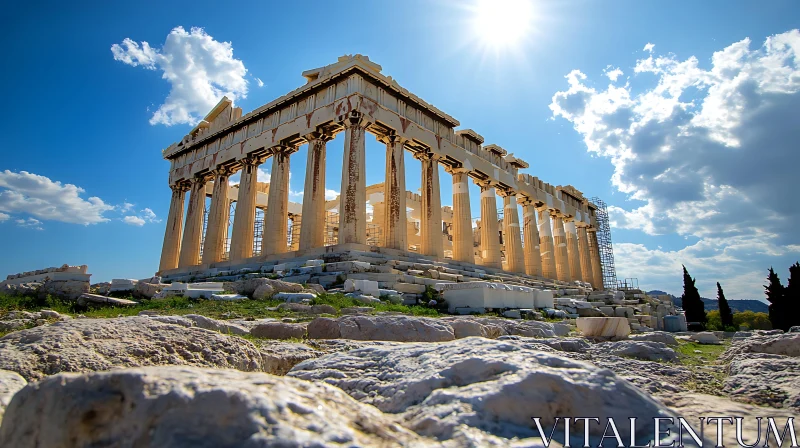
533, 258
245, 218
490, 241
193, 229
586, 260
431, 213
463, 241
218, 216
394, 196
172, 235
353, 197
560, 243
546, 245
594, 254
276, 220
574, 257
515, 261
312, 227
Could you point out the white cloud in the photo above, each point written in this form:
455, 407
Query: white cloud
43, 198
261, 176
31, 223
649, 47
613, 74
259, 82
134, 220
126, 207
4, 217
199, 69
331, 194
710, 152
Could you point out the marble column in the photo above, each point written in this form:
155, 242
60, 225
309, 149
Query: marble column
218, 216
515, 260
533, 258
312, 228
490, 240
594, 255
276, 220
546, 244
394, 195
463, 240
353, 197
172, 236
431, 213
193, 229
586, 261
560, 246
244, 219
575, 271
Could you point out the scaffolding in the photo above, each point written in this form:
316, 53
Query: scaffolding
604, 245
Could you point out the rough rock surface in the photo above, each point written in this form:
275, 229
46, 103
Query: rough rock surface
280, 357
648, 351
10, 383
182, 406
705, 337
82, 345
655, 336
394, 328
249, 286
785, 344
215, 325
650, 376
279, 330
495, 387
764, 379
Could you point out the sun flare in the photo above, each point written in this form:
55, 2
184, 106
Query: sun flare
502, 24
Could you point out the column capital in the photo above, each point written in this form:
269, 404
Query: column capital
353, 119
485, 183
180, 186
222, 170
319, 134
392, 138
283, 148
426, 155
503, 192
254, 160
456, 169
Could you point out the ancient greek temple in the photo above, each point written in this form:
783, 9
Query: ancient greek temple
554, 236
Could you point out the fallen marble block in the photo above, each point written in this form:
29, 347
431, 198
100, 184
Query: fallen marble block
225, 297
604, 327
95, 298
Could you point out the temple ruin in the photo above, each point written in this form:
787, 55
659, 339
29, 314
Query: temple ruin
552, 239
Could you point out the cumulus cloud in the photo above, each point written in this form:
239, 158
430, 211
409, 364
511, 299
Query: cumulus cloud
613, 73
145, 216
133, 220
35, 195
649, 47
200, 70
30, 223
4, 217
709, 152
331, 194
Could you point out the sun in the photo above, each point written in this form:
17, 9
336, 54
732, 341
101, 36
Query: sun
502, 24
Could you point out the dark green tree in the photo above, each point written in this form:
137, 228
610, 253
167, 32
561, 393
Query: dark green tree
691, 302
776, 296
792, 296
725, 313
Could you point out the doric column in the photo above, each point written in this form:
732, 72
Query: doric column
276, 220
560, 244
218, 216
490, 240
312, 228
586, 261
172, 236
193, 229
546, 244
533, 258
245, 218
394, 195
574, 258
353, 197
515, 261
594, 255
431, 213
463, 240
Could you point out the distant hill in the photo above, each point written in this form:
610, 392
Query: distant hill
755, 306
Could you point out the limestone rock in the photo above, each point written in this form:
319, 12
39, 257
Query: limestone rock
785, 344
394, 328
495, 387
604, 327
175, 320
315, 288
463, 328
357, 310
279, 330
81, 345
67, 289
10, 383
263, 292
181, 406
705, 337
148, 290
655, 336
324, 328
279, 357
249, 286
764, 379
323, 309
648, 351
215, 325
653, 377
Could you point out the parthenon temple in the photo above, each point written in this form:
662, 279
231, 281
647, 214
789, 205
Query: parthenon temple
540, 231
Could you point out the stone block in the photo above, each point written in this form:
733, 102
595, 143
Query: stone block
604, 327
409, 288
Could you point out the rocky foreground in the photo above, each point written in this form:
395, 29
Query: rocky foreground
364, 380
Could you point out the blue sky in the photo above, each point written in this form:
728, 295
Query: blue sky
690, 180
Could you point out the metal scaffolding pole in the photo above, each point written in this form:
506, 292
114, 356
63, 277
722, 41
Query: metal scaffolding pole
605, 247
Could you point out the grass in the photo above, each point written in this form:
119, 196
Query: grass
708, 354
701, 359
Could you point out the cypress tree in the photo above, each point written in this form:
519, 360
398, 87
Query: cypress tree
725, 313
776, 296
792, 296
691, 302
